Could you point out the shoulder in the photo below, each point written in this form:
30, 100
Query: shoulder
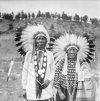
49, 53
28, 54
85, 65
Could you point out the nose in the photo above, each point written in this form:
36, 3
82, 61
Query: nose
40, 40
72, 51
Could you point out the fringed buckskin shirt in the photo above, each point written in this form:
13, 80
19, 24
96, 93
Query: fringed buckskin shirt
29, 77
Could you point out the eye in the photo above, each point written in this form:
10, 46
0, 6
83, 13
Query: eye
38, 38
42, 38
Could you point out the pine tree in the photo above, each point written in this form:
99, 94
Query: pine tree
39, 14
58, 16
18, 16
64, 16
47, 14
33, 15
77, 18
0, 15
29, 15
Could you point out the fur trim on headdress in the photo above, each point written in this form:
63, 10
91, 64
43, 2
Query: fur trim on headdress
26, 35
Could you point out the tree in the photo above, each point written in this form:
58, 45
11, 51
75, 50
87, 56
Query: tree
53, 15
10, 17
47, 14
33, 15
22, 15
81, 19
69, 18
13, 15
64, 16
43, 15
18, 16
76, 17
58, 16
29, 15
25, 15
94, 21
0, 15
39, 14
7, 16
85, 18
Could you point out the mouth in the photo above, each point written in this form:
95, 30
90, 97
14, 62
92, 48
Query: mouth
41, 43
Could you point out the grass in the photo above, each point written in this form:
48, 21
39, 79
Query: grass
11, 90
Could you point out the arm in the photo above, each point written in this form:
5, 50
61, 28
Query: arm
57, 78
52, 68
57, 83
61, 94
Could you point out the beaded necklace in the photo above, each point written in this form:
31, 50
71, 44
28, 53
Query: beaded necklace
71, 79
40, 72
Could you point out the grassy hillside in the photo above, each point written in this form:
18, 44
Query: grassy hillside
8, 49
7, 44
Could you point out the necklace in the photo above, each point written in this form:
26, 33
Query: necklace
71, 79
40, 71
71, 94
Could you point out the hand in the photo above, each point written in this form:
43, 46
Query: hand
45, 84
24, 93
62, 96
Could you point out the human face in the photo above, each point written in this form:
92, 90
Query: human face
40, 42
72, 53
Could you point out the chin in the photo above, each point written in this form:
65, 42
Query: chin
42, 47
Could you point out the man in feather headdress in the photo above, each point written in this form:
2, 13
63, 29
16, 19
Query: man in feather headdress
70, 51
38, 69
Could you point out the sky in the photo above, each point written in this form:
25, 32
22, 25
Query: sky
70, 7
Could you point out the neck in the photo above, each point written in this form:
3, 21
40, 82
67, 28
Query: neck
72, 59
41, 49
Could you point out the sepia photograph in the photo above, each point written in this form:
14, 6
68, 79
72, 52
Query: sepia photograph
49, 50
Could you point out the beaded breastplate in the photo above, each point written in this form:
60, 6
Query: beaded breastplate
71, 72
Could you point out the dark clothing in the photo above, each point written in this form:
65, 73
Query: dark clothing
65, 91
51, 99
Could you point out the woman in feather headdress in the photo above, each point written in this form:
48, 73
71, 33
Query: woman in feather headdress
70, 51
38, 68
